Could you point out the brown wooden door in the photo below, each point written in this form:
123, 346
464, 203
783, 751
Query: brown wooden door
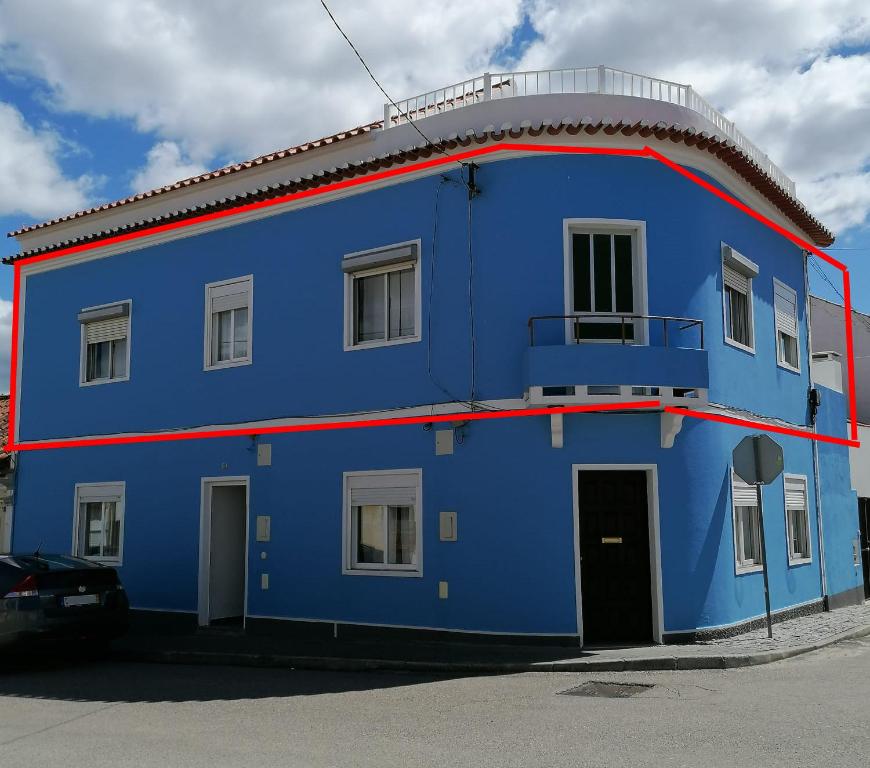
614, 551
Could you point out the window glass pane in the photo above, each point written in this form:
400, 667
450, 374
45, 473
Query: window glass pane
748, 536
401, 303
624, 284
240, 332
402, 536
603, 283
788, 349
737, 316
369, 533
92, 528
582, 275
99, 358
589, 331
111, 529
370, 308
119, 358
221, 341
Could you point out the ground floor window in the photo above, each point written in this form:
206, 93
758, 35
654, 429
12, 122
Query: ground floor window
747, 526
99, 522
797, 520
382, 522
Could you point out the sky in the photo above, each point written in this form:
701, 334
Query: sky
100, 99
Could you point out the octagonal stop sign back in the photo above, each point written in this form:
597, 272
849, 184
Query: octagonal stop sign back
758, 459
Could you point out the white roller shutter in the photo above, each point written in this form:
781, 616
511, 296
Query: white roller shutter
734, 279
795, 494
785, 309
106, 330
392, 497
743, 493
230, 296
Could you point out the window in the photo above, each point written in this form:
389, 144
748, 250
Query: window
382, 515
797, 519
785, 317
105, 333
99, 522
737, 274
604, 282
228, 322
382, 296
747, 526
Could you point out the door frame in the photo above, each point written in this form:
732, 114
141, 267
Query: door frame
206, 484
655, 560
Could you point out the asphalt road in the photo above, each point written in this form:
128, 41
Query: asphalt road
813, 710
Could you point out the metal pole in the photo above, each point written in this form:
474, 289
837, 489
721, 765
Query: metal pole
763, 559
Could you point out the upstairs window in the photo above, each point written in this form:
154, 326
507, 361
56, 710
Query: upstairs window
382, 296
382, 516
105, 333
99, 522
737, 275
604, 282
228, 322
785, 316
797, 519
747, 526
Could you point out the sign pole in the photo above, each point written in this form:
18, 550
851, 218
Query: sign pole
764, 560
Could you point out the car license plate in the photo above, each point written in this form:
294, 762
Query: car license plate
81, 600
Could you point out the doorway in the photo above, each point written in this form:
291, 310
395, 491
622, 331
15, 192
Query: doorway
864, 525
223, 566
619, 570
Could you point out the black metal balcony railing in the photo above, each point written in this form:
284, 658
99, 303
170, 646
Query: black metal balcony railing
611, 327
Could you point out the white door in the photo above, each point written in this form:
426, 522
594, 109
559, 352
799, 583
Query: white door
227, 516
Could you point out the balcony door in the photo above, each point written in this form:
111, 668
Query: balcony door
605, 284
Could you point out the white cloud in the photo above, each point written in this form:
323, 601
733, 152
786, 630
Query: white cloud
165, 164
33, 183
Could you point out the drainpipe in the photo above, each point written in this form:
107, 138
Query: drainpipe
820, 529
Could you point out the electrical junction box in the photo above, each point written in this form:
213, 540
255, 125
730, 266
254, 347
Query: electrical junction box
442, 590
264, 581
264, 528
264, 455
443, 442
447, 526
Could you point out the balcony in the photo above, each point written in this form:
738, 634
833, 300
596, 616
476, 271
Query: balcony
604, 358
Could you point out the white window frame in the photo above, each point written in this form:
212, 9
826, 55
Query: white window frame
637, 229
792, 558
208, 365
778, 285
83, 355
379, 478
750, 304
104, 491
349, 277
742, 567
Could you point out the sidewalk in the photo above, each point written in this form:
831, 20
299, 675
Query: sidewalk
791, 638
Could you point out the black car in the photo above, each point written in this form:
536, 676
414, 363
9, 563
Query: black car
45, 595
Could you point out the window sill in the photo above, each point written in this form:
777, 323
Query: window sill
228, 364
799, 561
382, 572
787, 367
738, 345
742, 570
376, 344
97, 382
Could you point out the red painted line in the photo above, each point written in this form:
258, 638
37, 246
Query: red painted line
330, 425
435, 162
760, 425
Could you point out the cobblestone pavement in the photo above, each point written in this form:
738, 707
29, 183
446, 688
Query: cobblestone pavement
804, 630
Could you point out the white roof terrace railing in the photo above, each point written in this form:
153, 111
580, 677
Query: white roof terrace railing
600, 79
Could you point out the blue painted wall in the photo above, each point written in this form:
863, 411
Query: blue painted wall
299, 364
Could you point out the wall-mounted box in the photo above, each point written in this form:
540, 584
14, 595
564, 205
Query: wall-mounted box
264, 527
447, 526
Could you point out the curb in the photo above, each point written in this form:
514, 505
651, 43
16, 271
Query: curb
340, 664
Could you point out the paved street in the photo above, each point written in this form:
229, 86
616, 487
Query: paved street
811, 710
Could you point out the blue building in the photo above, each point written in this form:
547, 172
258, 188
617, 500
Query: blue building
520, 278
